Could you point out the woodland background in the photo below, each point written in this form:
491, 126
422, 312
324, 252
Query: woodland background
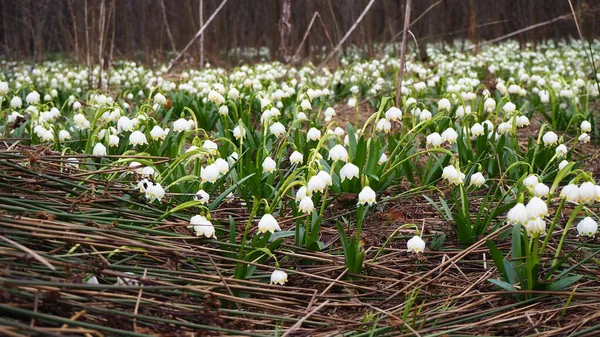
147, 30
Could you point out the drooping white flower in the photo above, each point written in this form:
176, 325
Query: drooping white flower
306, 205
367, 196
535, 226
349, 171
64, 135
160, 99
509, 107
202, 196
223, 110
531, 181
586, 126
221, 165
158, 133
425, 115
382, 159
541, 190
477, 179
113, 141
125, 124
33, 97
570, 193
550, 138
587, 193
415, 244
477, 130
268, 224
209, 173
561, 150
313, 134
16, 102
522, 121
99, 150
269, 165
584, 138
302, 193
325, 177
449, 135
490, 104
352, 102
278, 277
518, 214
338, 152
154, 192
504, 128
393, 114
562, 164
210, 146
434, 139
444, 104
81, 123
587, 226
301, 116
305, 105
137, 138
202, 226
296, 157
181, 125
536, 208
315, 183
277, 129
383, 125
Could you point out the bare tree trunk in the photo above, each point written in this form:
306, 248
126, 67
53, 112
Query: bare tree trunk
166, 21
112, 44
101, 24
403, 53
75, 35
87, 44
201, 16
285, 28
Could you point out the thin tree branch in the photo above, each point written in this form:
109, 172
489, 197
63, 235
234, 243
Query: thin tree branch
403, 52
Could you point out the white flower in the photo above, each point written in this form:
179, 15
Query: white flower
277, 129
352, 102
160, 98
137, 138
570, 193
325, 177
301, 116
202, 196
587, 193
268, 223
561, 150
541, 190
393, 114
209, 173
415, 244
434, 139
518, 214
449, 135
313, 134
3, 88
306, 205
302, 193
584, 138
269, 165
215, 97
147, 171
329, 112
279, 277
425, 115
367, 196
33, 97
536, 208
349, 171
562, 164
125, 124
239, 132
509, 107
305, 105
504, 128
490, 104
233, 93
382, 159
210, 146
550, 138
586, 126
477, 130
522, 121
158, 133
338, 152
181, 125
63, 135
81, 123
16, 102
99, 150
296, 157
113, 141
202, 226
587, 226
453, 175
223, 110
154, 192
535, 226
444, 104
530, 182
221, 165
477, 179
315, 183
384, 125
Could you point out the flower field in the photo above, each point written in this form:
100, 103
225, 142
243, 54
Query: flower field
279, 200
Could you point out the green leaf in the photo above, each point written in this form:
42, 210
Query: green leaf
563, 283
498, 258
503, 285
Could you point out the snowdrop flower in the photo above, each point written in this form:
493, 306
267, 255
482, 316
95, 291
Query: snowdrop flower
81, 123
277, 129
268, 224
269, 165
550, 138
477, 179
450, 173
223, 110
434, 139
92, 280
587, 226
113, 141
202, 226
125, 124
306, 205
449, 135
313, 134
530, 182
301, 116
352, 102
536, 208
584, 138
490, 104
504, 128
477, 130
509, 107
233, 93
329, 112
63, 135
137, 138
415, 244
215, 97
535, 226
393, 114
202, 196
382, 159
338, 152
518, 214
541, 190
210, 146
587, 193
221, 165
305, 105
239, 132
522, 121
160, 99
33, 97
279, 277
349, 171
444, 104
154, 192
16, 102
181, 125
302, 193
158, 133
147, 171
209, 173
561, 150
586, 126
570, 193
296, 157
325, 177
99, 150
367, 196
425, 115
562, 164
383, 125
316, 183
3, 88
